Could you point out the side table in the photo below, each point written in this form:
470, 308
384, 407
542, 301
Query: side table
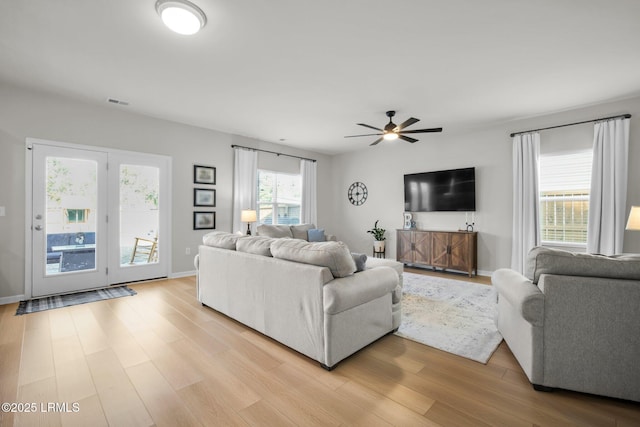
379, 254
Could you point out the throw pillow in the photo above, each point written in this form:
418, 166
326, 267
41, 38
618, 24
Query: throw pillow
316, 235
360, 260
334, 255
258, 245
300, 231
275, 231
221, 239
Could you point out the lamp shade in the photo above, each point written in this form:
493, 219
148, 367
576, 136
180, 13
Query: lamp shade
248, 215
634, 218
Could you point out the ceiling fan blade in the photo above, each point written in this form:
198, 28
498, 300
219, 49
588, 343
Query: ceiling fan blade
370, 127
422, 130
408, 138
366, 134
407, 123
376, 141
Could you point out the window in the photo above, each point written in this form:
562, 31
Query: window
75, 216
565, 180
279, 198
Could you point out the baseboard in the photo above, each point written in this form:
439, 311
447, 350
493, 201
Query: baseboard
180, 274
11, 300
485, 273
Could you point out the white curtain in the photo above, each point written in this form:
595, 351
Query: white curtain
245, 170
608, 196
308, 210
526, 224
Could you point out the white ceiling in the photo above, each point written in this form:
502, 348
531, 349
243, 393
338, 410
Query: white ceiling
308, 71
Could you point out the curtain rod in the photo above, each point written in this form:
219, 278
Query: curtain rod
623, 116
273, 152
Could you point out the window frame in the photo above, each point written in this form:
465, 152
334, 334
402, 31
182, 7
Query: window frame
275, 203
571, 195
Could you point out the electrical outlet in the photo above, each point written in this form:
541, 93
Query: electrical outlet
2, 211
187, 251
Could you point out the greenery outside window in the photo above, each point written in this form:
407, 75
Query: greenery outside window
565, 180
279, 197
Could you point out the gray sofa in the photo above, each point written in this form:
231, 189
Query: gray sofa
573, 321
308, 296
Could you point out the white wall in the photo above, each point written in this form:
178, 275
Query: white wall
488, 148
26, 113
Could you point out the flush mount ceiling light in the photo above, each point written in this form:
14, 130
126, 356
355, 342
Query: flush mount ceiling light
181, 16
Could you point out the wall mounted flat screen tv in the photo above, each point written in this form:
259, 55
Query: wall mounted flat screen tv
448, 190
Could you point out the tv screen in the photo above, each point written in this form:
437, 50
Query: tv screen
448, 190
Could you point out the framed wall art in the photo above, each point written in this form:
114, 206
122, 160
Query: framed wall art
204, 174
204, 220
204, 197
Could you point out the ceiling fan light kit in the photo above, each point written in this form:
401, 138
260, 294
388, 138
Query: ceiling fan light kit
392, 131
181, 16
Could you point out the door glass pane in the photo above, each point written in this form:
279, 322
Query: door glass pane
139, 215
71, 212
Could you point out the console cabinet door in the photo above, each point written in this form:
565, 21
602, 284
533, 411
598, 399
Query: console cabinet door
405, 247
440, 249
459, 252
422, 247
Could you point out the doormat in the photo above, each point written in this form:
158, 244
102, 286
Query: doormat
451, 315
58, 301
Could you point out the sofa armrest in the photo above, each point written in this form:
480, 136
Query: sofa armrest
347, 292
521, 293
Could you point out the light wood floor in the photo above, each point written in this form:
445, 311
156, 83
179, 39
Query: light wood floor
160, 358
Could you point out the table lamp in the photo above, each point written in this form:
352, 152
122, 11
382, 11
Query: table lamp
248, 216
634, 218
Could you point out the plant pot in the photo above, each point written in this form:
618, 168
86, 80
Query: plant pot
378, 245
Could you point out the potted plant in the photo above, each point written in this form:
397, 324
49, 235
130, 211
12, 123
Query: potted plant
378, 235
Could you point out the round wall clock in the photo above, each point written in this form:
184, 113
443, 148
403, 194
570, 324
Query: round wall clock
357, 193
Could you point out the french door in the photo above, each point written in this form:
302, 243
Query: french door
98, 217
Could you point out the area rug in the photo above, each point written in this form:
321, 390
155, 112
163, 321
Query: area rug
451, 315
58, 301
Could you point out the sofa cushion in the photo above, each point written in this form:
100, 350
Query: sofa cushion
301, 231
542, 260
221, 239
258, 245
334, 255
276, 231
316, 235
360, 260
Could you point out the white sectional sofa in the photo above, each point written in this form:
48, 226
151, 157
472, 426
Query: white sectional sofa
306, 295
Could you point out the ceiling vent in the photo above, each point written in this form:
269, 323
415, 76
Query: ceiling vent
117, 101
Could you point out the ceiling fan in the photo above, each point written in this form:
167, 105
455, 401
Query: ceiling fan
392, 131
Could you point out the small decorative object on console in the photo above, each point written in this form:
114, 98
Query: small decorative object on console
471, 224
408, 223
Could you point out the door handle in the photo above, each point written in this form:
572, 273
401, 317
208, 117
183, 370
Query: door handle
38, 227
